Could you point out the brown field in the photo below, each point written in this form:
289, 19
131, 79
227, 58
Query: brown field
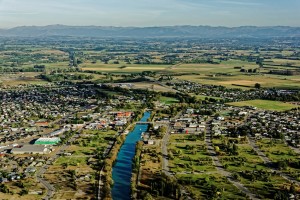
20, 78
50, 51
152, 86
31, 185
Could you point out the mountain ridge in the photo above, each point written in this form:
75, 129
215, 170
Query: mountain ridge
154, 31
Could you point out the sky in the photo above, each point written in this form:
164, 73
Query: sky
142, 13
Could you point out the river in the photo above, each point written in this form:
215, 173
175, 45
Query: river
122, 169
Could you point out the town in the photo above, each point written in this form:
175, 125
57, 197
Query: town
153, 119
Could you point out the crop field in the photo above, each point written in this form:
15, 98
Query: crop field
246, 81
265, 104
123, 68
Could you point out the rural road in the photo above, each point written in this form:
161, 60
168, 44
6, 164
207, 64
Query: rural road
50, 189
268, 162
165, 162
219, 166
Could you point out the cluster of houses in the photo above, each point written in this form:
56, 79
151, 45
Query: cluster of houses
27, 111
283, 125
188, 122
15, 168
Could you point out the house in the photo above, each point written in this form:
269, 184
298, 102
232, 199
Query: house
42, 124
3, 180
57, 132
151, 142
242, 113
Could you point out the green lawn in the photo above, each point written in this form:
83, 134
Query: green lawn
168, 100
199, 186
266, 105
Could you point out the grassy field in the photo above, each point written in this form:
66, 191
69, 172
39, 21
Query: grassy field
74, 175
21, 78
194, 169
189, 155
199, 185
250, 169
265, 104
30, 185
151, 86
276, 151
168, 100
123, 68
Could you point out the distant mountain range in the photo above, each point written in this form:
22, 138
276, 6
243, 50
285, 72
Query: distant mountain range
146, 32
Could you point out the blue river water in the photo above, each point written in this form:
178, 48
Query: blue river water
122, 169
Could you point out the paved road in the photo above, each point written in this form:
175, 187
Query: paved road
219, 166
165, 161
50, 189
164, 146
268, 162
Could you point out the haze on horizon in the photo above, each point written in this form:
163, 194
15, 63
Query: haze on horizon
149, 12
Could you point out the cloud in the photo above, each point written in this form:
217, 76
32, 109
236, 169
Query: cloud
241, 3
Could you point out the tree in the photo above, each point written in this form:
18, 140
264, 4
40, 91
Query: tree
235, 149
148, 197
257, 85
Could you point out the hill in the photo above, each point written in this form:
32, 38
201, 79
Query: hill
146, 32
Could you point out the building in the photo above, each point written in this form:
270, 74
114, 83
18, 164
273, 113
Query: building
57, 132
42, 124
30, 149
47, 141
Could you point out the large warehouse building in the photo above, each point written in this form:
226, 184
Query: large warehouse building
47, 141
30, 149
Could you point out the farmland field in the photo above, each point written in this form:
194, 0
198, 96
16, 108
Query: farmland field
265, 104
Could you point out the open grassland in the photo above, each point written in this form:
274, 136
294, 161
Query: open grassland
277, 151
265, 104
168, 100
293, 63
150, 165
21, 78
31, 185
188, 154
151, 86
250, 169
194, 169
74, 174
206, 186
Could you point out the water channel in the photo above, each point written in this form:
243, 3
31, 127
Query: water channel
122, 169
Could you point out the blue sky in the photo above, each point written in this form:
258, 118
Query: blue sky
149, 12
